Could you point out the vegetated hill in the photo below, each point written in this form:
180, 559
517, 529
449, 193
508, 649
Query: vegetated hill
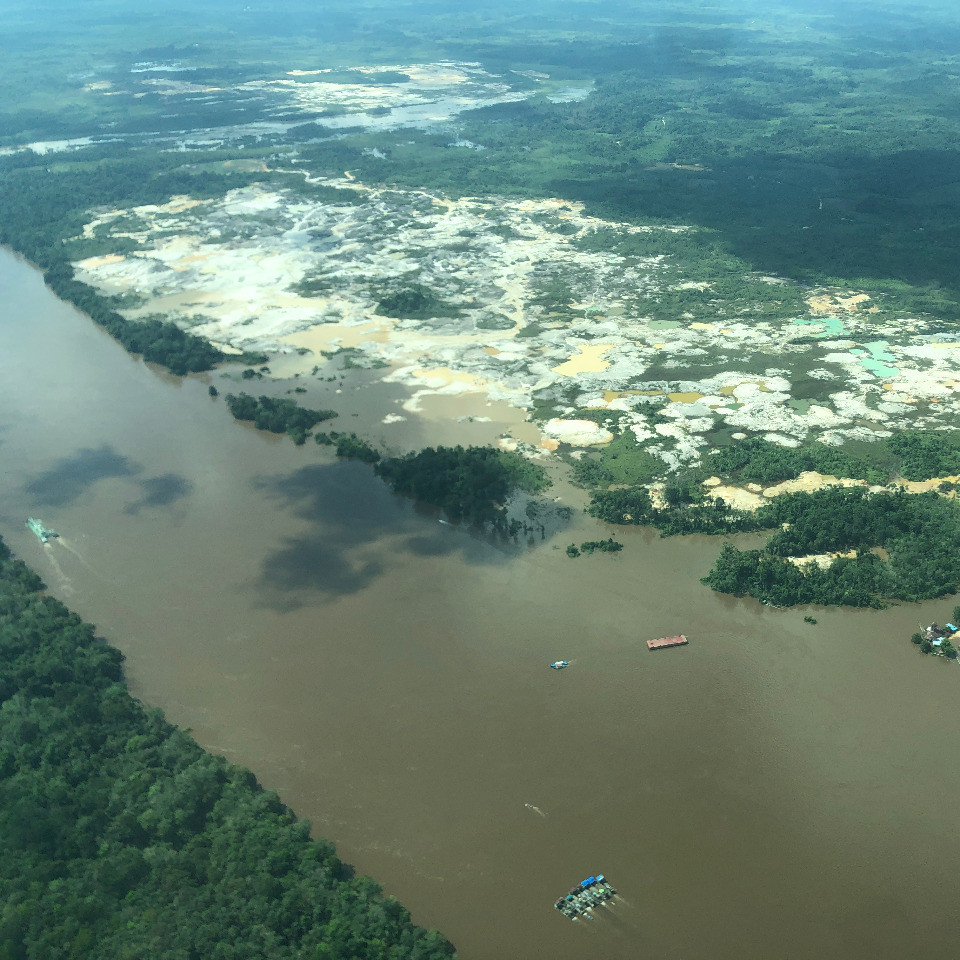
121, 838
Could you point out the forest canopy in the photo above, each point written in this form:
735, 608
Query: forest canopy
471, 484
886, 547
121, 838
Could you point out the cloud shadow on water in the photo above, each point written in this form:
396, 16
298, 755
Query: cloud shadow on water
68, 479
352, 512
322, 568
160, 491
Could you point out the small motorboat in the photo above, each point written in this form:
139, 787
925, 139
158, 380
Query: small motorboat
559, 664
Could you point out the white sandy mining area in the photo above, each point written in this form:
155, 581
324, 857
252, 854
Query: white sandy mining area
522, 312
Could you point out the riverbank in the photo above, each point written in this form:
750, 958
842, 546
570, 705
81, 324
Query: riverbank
166, 841
388, 676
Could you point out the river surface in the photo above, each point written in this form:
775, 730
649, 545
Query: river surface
775, 789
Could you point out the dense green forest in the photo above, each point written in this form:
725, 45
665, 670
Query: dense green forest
277, 415
904, 546
915, 531
470, 484
121, 838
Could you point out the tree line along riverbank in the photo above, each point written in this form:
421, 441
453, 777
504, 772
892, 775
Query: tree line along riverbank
907, 557
120, 837
881, 545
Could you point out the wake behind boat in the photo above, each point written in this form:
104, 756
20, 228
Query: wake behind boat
43, 533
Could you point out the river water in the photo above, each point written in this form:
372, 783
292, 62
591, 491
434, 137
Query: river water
775, 789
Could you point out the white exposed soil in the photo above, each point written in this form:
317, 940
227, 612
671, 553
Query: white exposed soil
521, 311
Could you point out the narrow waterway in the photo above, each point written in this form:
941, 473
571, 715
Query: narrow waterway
775, 789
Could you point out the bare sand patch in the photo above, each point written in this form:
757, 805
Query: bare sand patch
754, 495
577, 433
736, 497
266, 269
589, 359
437, 381
335, 335
94, 263
822, 560
828, 303
922, 486
810, 480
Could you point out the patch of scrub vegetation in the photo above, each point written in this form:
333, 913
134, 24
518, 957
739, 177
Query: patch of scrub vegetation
277, 415
554, 288
103, 244
415, 302
495, 322
589, 547
315, 285
698, 276
353, 358
349, 446
622, 461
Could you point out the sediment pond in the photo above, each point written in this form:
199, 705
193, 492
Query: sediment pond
774, 789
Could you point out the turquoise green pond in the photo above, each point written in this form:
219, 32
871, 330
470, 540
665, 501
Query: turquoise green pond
833, 326
878, 363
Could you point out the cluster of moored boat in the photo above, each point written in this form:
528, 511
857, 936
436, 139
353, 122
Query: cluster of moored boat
584, 896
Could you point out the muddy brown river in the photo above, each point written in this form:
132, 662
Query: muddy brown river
775, 789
